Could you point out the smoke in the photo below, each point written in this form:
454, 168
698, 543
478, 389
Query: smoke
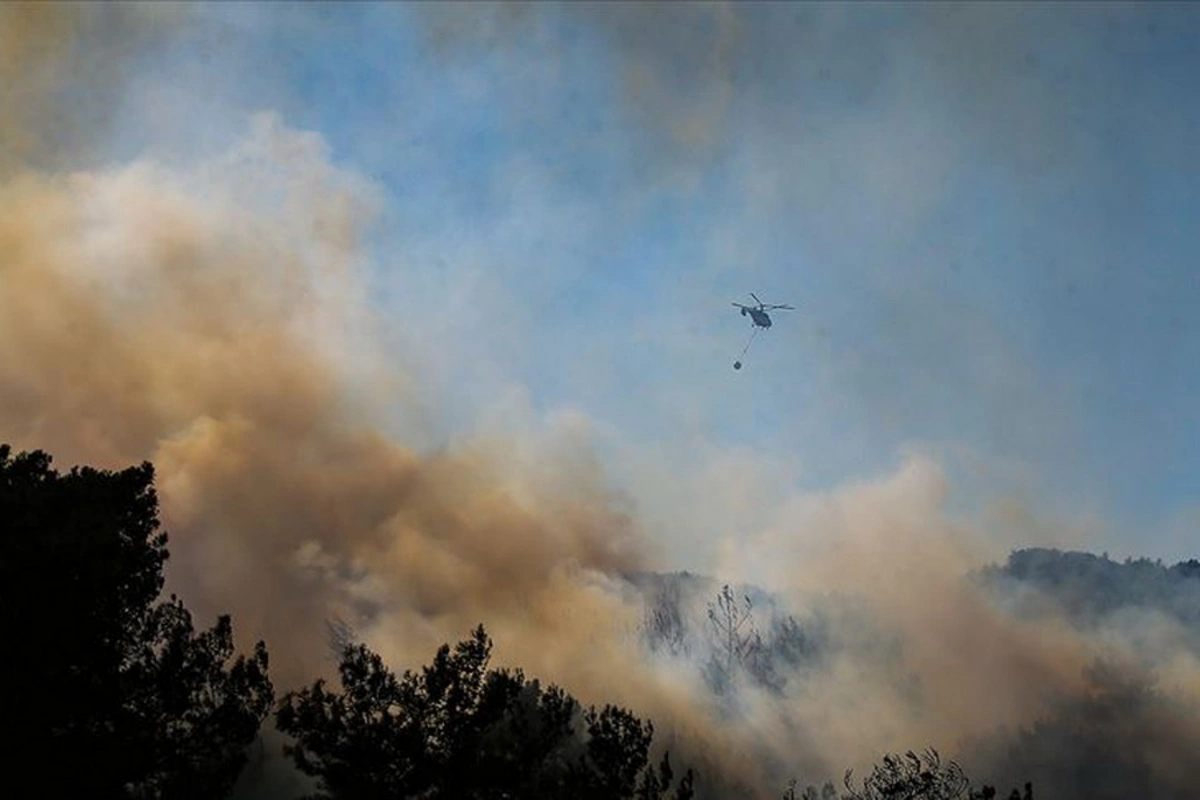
62, 69
214, 316
214, 320
930, 657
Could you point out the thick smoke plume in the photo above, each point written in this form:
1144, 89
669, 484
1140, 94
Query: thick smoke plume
214, 317
212, 321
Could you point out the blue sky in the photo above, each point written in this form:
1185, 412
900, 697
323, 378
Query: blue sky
985, 215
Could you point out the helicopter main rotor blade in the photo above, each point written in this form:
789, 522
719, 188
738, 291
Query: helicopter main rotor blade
760, 302
784, 308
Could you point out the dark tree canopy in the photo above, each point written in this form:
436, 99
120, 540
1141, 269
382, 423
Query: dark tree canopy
108, 685
459, 730
1090, 588
911, 776
1121, 737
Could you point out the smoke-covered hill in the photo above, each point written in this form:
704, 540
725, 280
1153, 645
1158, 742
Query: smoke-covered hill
1147, 611
1091, 589
743, 632
684, 615
1125, 729
1131, 729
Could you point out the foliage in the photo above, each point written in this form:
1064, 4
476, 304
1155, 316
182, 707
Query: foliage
459, 730
907, 777
737, 642
827, 792
340, 635
664, 624
723, 636
1089, 589
114, 689
1119, 737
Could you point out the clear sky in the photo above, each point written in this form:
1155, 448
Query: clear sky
986, 217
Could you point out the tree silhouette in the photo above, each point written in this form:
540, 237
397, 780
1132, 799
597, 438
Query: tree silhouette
912, 776
115, 690
826, 792
459, 730
340, 635
731, 640
663, 624
1119, 737
737, 643
907, 777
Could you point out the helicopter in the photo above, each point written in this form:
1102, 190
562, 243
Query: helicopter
759, 319
758, 314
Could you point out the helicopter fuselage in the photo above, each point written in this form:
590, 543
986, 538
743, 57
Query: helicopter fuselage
758, 316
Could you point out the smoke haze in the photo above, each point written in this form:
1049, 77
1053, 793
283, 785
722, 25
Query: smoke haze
215, 315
